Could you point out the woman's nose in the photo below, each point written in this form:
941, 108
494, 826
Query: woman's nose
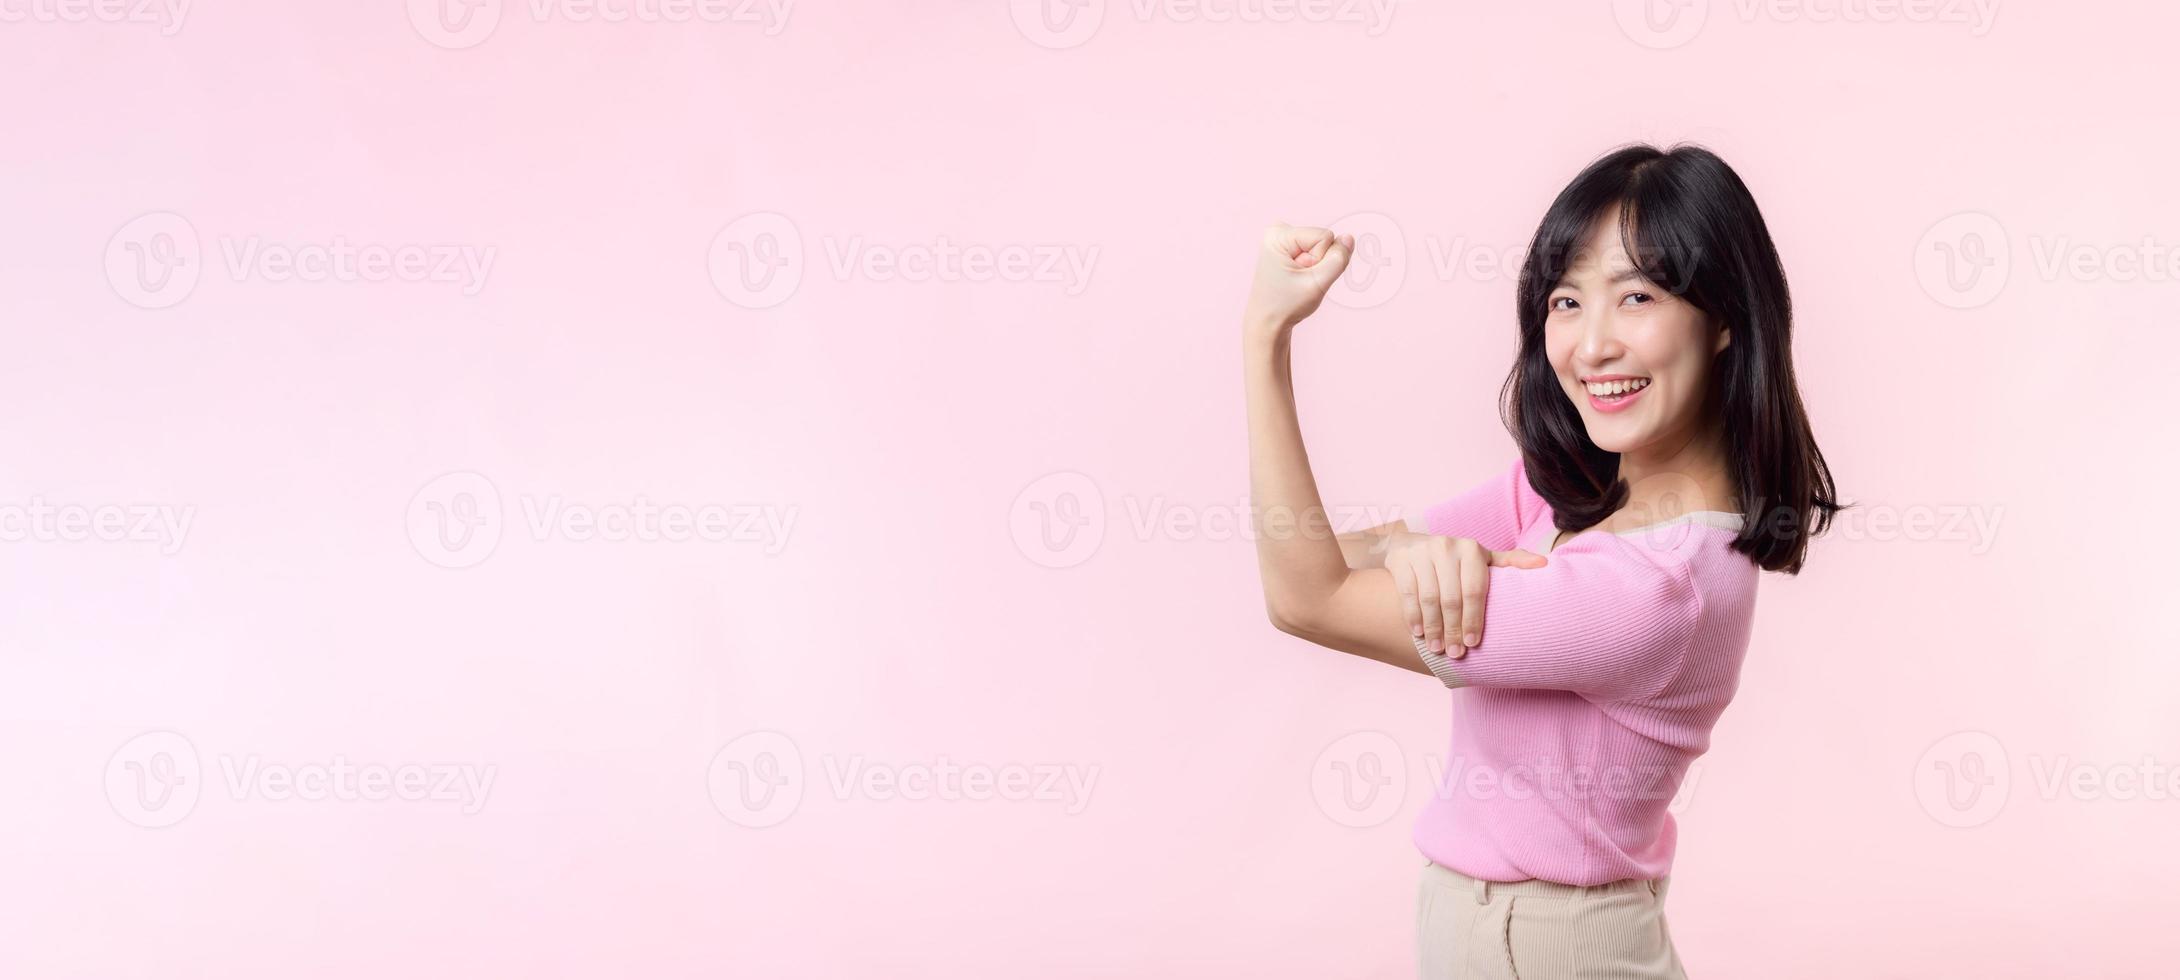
1600, 340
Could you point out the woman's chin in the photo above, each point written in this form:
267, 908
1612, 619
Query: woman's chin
1614, 438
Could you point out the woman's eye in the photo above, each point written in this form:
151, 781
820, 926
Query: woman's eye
1637, 299
1562, 303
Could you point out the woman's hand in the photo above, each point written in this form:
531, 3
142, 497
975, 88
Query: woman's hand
1442, 584
1295, 268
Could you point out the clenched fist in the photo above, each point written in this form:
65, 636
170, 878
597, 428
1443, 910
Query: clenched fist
1294, 269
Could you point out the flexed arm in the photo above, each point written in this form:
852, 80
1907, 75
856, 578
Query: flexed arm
1309, 588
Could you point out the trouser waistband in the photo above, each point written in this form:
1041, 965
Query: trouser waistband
1539, 888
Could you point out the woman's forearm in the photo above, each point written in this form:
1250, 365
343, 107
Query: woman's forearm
1299, 559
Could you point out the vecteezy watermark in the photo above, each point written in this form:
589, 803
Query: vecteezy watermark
1975, 525
1361, 780
457, 520
1966, 779
757, 261
166, 15
458, 24
157, 779
1962, 260
758, 780
156, 260
1060, 24
1965, 260
1386, 257
1963, 780
1379, 264
1665, 24
163, 525
1556, 780
1059, 520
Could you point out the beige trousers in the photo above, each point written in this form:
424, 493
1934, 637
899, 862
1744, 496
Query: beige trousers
1468, 929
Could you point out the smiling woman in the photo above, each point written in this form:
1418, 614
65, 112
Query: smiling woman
1659, 267
1665, 458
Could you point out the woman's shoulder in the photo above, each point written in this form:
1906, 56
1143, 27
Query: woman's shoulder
1702, 544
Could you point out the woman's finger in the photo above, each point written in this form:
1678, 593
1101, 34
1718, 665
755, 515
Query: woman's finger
1336, 256
1404, 583
1426, 596
1517, 558
1475, 581
1309, 245
1445, 565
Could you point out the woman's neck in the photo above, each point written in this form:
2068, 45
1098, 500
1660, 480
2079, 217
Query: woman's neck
1668, 479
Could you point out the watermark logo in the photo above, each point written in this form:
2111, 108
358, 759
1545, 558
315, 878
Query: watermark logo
1058, 24
1058, 521
1963, 780
757, 779
458, 521
756, 261
1379, 264
1661, 24
455, 520
1662, 511
155, 260
1963, 260
1360, 780
455, 24
1966, 778
157, 779
154, 780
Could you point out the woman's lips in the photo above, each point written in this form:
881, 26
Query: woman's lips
1618, 404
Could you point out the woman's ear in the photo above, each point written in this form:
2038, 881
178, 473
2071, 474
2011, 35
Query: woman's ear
1725, 336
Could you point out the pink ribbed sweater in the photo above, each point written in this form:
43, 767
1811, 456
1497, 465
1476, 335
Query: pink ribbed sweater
1596, 684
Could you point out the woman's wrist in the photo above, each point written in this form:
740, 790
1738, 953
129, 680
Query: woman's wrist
1266, 332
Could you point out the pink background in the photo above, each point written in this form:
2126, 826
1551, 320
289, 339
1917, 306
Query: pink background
905, 434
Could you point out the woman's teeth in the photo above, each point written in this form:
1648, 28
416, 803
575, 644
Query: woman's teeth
1609, 389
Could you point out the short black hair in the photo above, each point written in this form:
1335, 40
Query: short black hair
1692, 228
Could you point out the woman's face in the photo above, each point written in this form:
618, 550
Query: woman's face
1634, 359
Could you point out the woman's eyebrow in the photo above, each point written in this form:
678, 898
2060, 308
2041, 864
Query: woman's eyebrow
1618, 276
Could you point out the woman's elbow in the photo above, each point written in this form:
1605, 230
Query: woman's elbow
1289, 617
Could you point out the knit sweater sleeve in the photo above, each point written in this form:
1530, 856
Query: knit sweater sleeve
1606, 618
1494, 512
